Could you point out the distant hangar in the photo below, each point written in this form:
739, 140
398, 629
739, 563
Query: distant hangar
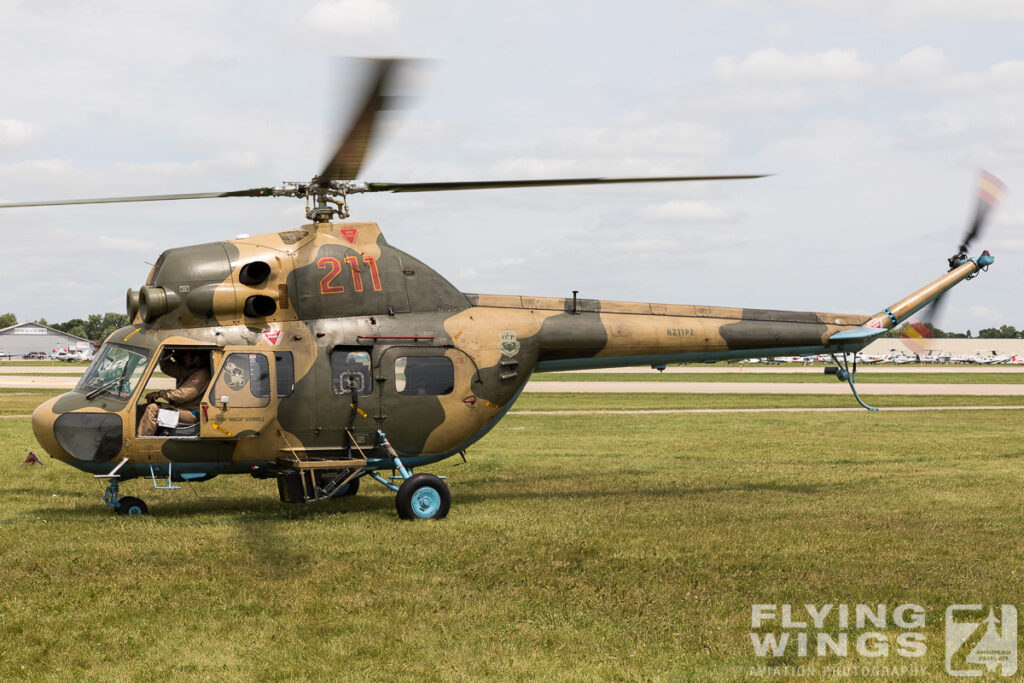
17, 340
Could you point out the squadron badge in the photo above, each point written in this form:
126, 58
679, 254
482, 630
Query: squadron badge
508, 343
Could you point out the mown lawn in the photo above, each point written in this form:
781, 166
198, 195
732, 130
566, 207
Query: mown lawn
578, 548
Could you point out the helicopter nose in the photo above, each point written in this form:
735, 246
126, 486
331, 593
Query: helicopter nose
89, 437
42, 425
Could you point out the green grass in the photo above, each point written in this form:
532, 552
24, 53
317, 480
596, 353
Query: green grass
863, 377
23, 401
578, 548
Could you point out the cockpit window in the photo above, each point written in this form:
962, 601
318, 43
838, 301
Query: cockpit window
115, 372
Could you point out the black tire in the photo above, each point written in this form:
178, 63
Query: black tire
351, 488
423, 496
129, 506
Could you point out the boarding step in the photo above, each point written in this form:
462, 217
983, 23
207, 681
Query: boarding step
307, 484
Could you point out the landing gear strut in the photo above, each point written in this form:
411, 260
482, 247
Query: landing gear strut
421, 496
129, 506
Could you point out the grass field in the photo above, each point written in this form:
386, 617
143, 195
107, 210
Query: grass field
578, 548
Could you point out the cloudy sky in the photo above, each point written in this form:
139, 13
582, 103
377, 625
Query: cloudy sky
873, 116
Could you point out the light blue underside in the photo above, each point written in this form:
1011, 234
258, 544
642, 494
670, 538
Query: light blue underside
695, 357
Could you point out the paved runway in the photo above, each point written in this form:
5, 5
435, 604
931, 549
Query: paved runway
773, 388
61, 368
816, 370
685, 411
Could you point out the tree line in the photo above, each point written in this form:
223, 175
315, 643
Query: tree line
1001, 332
96, 327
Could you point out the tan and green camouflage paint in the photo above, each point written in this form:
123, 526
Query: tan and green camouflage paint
494, 342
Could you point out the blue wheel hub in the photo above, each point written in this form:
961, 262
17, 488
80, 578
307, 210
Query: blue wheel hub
133, 511
426, 501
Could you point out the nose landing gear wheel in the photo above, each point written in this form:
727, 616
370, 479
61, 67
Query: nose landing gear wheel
130, 506
423, 496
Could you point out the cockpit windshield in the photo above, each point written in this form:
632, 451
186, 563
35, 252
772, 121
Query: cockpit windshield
116, 372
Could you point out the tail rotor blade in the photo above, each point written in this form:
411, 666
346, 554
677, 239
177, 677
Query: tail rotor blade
991, 191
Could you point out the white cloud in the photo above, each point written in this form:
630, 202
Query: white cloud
912, 12
983, 313
15, 133
770, 64
635, 146
536, 167
907, 13
489, 268
683, 210
343, 18
780, 31
1003, 76
922, 63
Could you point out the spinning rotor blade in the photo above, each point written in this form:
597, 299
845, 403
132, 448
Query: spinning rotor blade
255, 192
354, 145
337, 178
991, 191
495, 184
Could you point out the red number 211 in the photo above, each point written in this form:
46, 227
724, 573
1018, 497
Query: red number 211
333, 268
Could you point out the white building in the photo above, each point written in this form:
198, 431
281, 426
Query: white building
17, 340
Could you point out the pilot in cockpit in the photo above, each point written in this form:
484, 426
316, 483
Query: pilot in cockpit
191, 373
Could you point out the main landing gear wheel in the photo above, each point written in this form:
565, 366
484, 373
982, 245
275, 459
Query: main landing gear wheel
423, 496
130, 506
351, 488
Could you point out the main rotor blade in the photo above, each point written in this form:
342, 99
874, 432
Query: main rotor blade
354, 145
255, 192
495, 184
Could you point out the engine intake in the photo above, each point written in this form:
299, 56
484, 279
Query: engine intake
254, 273
259, 306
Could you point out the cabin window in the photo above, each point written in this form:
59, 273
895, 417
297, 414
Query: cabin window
351, 369
244, 380
424, 375
284, 364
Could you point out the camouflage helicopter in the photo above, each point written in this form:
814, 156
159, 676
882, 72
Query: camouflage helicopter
332, 356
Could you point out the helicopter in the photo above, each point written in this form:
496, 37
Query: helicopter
331, 357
